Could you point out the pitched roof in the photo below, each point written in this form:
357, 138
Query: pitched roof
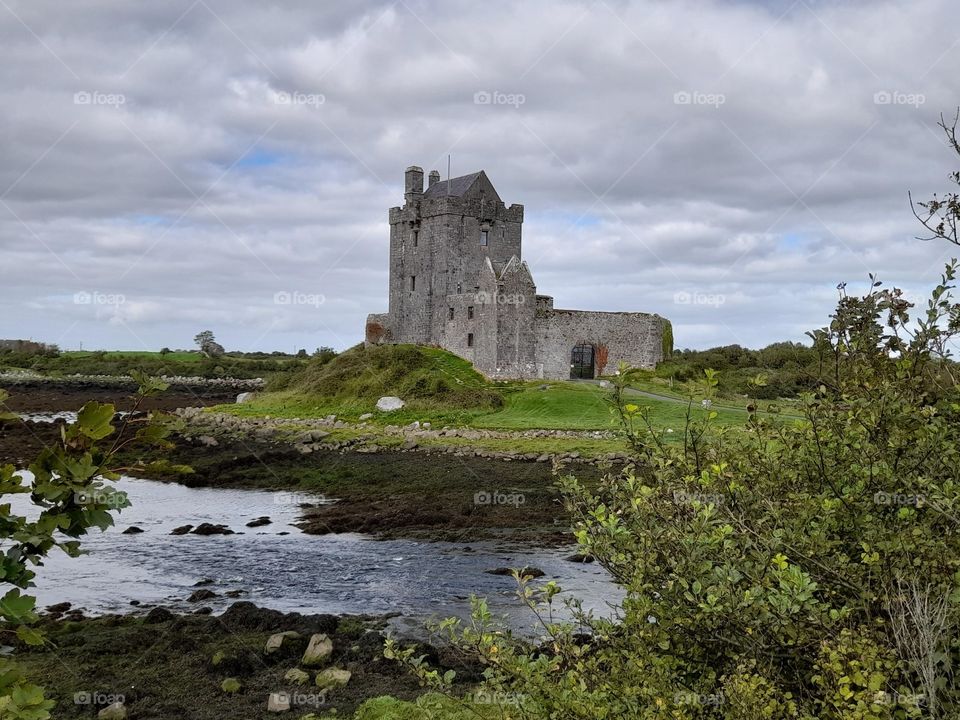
458, 186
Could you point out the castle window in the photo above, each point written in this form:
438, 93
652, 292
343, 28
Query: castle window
413, 282
416, 238
459, 288
484, 237
470, 313
469, 339
451, 313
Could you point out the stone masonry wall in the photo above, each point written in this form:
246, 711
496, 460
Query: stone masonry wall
635, 338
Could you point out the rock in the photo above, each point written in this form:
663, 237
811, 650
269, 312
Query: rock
366, 416
259, 522
389, 404
527, 571
235, 593
275, 641
278, 702
333, 677
207, 441
410, 445
117, 711
245, 397
205, 581
200, 595
203, 611
211, 529
59, 607
297, 676
182, 530
158, 615
580, 558
132, 530
605, 384
317, 652
135, 603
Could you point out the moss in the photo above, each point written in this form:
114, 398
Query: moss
666, 339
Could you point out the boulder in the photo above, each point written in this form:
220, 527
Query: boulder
211, 529
245, 397
278, 702
318, 651
259, 522
182, 530
525, 571
207, 441
333, 677
275, 641
158, 615
59, 607
389, 404
580, 558
132, 530
200, 595
117, 711
366, 416
297, 676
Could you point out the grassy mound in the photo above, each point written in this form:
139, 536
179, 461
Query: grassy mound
425, 377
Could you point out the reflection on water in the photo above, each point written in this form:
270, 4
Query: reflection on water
291, 572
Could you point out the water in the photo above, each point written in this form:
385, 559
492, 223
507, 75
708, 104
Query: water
293, 572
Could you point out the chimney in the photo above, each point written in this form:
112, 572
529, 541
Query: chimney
413, 182
434, 178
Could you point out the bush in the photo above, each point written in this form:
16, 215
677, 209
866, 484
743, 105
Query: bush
804, 570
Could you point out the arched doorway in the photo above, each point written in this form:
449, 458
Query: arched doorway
582, 362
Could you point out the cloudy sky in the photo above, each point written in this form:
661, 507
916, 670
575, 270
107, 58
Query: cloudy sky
172, 167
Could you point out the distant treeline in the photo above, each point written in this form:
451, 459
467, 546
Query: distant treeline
49, 361
786, 368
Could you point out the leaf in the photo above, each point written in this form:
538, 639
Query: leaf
95, 420
29, 635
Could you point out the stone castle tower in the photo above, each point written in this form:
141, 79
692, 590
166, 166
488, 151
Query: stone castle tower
457, 281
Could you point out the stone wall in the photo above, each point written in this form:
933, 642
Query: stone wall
635, 338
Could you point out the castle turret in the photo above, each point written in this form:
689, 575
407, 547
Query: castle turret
413, 183
434, 178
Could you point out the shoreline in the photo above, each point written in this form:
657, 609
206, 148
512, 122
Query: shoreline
143, 660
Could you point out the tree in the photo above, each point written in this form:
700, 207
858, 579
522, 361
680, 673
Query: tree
204, 338
70, 489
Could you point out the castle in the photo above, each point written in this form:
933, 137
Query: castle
457, 282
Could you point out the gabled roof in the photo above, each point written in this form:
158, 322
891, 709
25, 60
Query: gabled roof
458, 186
